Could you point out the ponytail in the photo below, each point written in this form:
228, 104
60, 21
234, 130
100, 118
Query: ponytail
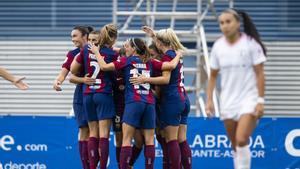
108, 34
250, 29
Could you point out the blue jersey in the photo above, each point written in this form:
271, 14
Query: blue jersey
77, 98
133, 66
174, 91
91, 67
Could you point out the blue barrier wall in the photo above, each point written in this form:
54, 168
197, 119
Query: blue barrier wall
50, 142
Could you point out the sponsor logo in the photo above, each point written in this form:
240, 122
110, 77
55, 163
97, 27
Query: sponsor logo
289, 143
13, 165
219, 146
7, 143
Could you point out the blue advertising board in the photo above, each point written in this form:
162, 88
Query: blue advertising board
28, 142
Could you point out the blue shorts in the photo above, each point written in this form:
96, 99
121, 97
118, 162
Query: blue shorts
80, 115
174, 114
99, 106
140, 115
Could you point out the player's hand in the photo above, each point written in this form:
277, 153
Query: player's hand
57, 85
209, 108
148, 30
20, 84
259, 110
93, 48
88, 80
137, 80
180, 52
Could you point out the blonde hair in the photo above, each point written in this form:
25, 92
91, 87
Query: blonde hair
169, 38
108, 35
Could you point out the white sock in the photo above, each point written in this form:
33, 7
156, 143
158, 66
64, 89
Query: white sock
243, 157
234, 160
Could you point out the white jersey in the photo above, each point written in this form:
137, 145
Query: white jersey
235, 63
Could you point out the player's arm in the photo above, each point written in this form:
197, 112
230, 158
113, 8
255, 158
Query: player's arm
173, 63
150, 32
75, 67
82, 80
103, 65
18, 82
60, 79
160, 80
6, 75
260, 78
209, 92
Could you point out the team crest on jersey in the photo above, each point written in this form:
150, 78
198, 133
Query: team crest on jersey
121, 87
92, 56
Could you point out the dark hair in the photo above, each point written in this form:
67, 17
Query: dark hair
90, 28
95, 32
154, 47
249, 26
140, 47
84, 30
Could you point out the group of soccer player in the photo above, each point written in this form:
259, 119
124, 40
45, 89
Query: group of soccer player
133, 88
139, 88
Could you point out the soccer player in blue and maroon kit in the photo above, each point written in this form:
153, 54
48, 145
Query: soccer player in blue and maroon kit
79, 37
98, 100
175, 104
139, 99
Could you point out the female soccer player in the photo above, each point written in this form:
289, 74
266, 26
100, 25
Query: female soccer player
160, 136
139, 100
18, 82
239, 58
175, 104
79, 37
98, 100
94, 37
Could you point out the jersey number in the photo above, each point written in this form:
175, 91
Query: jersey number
95, 74
142, 88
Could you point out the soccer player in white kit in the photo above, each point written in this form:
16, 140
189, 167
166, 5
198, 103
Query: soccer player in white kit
238, 57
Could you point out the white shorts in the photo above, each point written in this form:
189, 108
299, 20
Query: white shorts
235, 114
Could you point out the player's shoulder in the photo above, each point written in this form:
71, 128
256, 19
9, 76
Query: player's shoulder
220, 41
171, 53
73, 52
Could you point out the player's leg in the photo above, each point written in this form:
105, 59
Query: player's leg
131, 121
126, 150
83, 133
186, 155
104, 129
170, 122
231, 126
83, 146
137, 146
117, 127
148, 125
105, 113
93, 143
246, 125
